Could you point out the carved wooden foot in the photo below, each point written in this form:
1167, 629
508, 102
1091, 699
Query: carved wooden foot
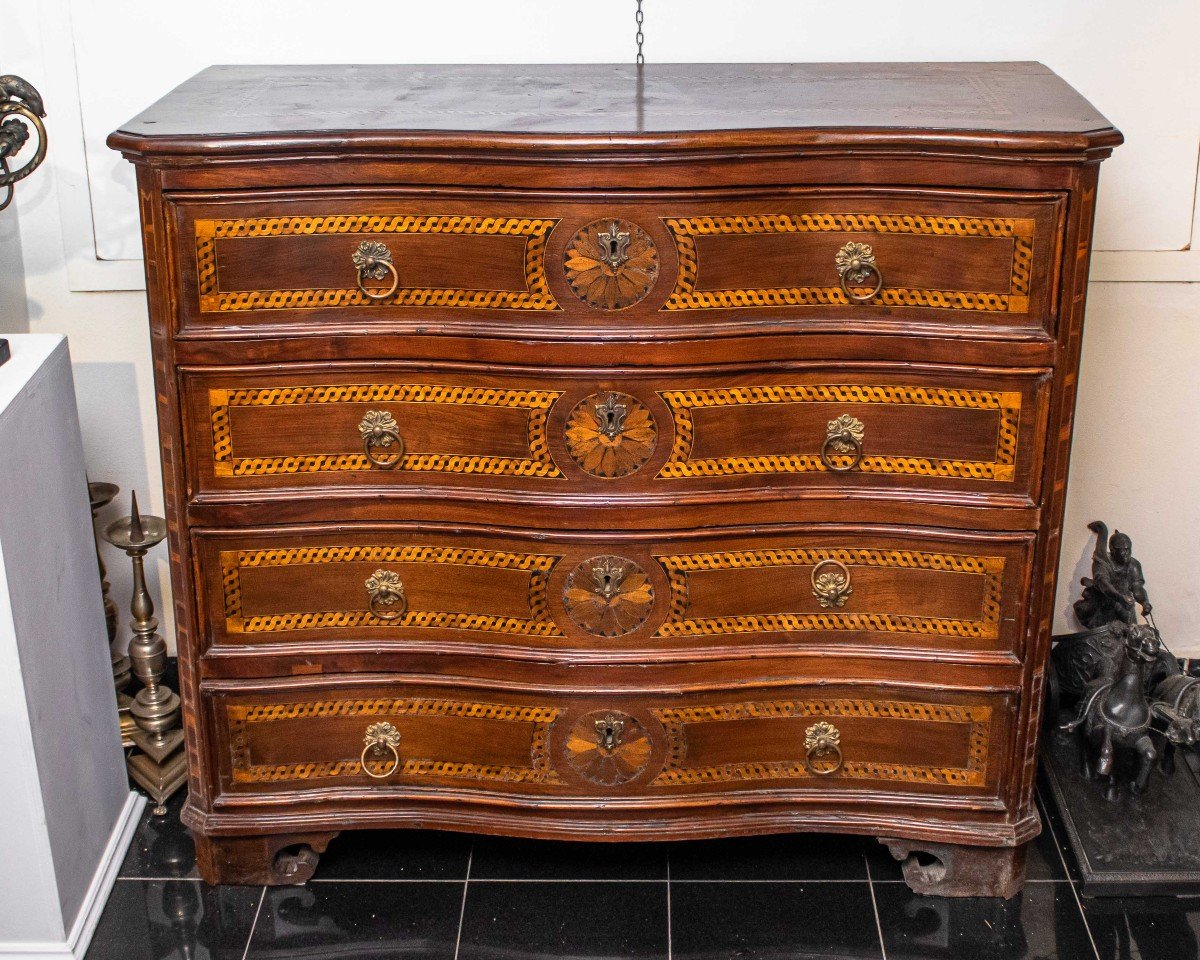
277, 860
952, 870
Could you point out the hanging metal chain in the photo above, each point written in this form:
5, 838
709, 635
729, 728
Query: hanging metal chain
640, 18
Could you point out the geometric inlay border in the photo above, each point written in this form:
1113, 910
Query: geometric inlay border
536, 296
538, 624
679, 624
676, 719
682, 403
241, 716
685, 230
539, 463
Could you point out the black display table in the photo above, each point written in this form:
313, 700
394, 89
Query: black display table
1132, 845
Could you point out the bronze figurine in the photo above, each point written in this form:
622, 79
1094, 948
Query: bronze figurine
1177, 702
1117, 584
1117, 713
1129, 688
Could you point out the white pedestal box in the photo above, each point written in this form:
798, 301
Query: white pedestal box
66, 811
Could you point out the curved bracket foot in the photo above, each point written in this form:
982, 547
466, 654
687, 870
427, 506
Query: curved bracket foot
953, 870
276, 860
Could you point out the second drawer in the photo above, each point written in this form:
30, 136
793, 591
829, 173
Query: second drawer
353, 587
660, 436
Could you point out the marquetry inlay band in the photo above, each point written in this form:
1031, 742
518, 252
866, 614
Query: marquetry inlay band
538, 624
536, 296
685, 230
683, 403
539, 463
245, 771
680, 624
676, 720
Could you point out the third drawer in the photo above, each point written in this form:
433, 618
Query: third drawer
618, 596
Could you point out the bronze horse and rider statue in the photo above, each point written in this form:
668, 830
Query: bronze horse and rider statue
1134, 702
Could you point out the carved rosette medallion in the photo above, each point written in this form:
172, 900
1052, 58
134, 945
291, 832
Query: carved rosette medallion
607, 747
608, 596
610, 435
611, 264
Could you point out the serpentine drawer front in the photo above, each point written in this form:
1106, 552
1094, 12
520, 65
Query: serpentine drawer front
746, 742
576, 452
655, 434
330, 589
311, 260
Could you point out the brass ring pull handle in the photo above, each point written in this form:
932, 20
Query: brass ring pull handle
843, 436
831, 582
380, 738
379, 429
823, 749
373, 261
385, 591
855, 262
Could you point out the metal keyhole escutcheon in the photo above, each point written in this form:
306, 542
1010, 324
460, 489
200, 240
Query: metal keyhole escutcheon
607, 578
614, 246
608, 732
610, 415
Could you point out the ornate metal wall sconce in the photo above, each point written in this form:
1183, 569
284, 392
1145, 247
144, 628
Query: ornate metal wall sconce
158, 764
20, 107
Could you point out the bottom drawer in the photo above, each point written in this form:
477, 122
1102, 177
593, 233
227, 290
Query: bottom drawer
401, 738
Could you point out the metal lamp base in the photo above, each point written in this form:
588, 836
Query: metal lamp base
158, 766
160, 781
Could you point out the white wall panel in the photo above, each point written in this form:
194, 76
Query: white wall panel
1133, 60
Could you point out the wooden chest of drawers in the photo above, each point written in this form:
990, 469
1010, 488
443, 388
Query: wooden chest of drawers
572, 452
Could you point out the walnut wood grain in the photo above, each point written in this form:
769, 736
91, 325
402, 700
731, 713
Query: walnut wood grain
975, 187
241, 109
942, 430
943, 743
961, 595
494, 262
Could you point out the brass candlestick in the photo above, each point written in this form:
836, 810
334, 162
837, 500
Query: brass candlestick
158, 764
101, 495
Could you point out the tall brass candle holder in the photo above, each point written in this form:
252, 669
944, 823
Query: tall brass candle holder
158, 764
101, 495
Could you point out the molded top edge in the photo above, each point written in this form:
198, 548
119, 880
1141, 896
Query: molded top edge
612, 108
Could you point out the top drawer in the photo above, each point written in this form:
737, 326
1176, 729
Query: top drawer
323, 262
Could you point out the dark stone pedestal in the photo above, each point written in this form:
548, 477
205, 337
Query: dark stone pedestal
5, 352
1132, 845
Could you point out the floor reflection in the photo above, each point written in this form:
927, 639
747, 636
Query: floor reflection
1041, 921
378, 920
160, 919
1145, 928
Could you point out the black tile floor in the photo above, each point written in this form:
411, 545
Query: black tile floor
429, 895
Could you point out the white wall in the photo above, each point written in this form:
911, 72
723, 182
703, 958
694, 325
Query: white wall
100, 61
14, 315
